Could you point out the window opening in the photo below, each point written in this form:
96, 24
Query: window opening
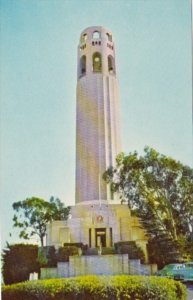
83, 47
109, 36
111, 64
97, 62
111, 47
83, 65
84, 37
96, 35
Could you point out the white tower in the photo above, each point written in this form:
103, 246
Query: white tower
98, 114
95, 220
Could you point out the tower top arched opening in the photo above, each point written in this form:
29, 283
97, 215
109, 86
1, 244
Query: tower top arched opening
96, 33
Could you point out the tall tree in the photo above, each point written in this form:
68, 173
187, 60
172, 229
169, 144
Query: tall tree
33, 214
159, 190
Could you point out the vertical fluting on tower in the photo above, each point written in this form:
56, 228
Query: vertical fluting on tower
98, 113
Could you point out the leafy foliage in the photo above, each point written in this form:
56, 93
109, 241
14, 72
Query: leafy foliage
19, 261
47, 256
59, 211
65, 252
33, 214
84, 247
159, 190
120, 287
130, 248
42, 259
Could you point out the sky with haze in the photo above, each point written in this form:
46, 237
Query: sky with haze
39, 40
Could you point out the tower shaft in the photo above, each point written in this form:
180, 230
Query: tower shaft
98, 114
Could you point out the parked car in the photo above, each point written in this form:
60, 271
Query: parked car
182, 272
189, 265
170, 270
187, 273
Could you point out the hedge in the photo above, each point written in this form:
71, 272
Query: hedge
119, 287
130, 248
19, 260
66, 251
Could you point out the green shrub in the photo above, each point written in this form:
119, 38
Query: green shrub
65, 252
47, 256
92, 251
108, 250
130, 248
83, 247
19, 260
79, 245
42, 259
105, 251
120, 287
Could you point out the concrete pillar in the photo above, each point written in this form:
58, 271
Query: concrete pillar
92, 237
107, 237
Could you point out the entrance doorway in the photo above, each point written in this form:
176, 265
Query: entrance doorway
100, 237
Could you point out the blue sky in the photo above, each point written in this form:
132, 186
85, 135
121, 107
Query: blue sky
39, 41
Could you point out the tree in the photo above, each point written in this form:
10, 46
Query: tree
159, 190
19, 261
33, 214
59, 210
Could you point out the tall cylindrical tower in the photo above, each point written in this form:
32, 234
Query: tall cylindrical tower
98, 114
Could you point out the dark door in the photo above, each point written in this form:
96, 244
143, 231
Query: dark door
100, 237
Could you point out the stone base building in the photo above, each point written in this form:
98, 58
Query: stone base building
97, 224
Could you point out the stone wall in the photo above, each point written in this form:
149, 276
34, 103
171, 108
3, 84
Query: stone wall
98, 265
136, 268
